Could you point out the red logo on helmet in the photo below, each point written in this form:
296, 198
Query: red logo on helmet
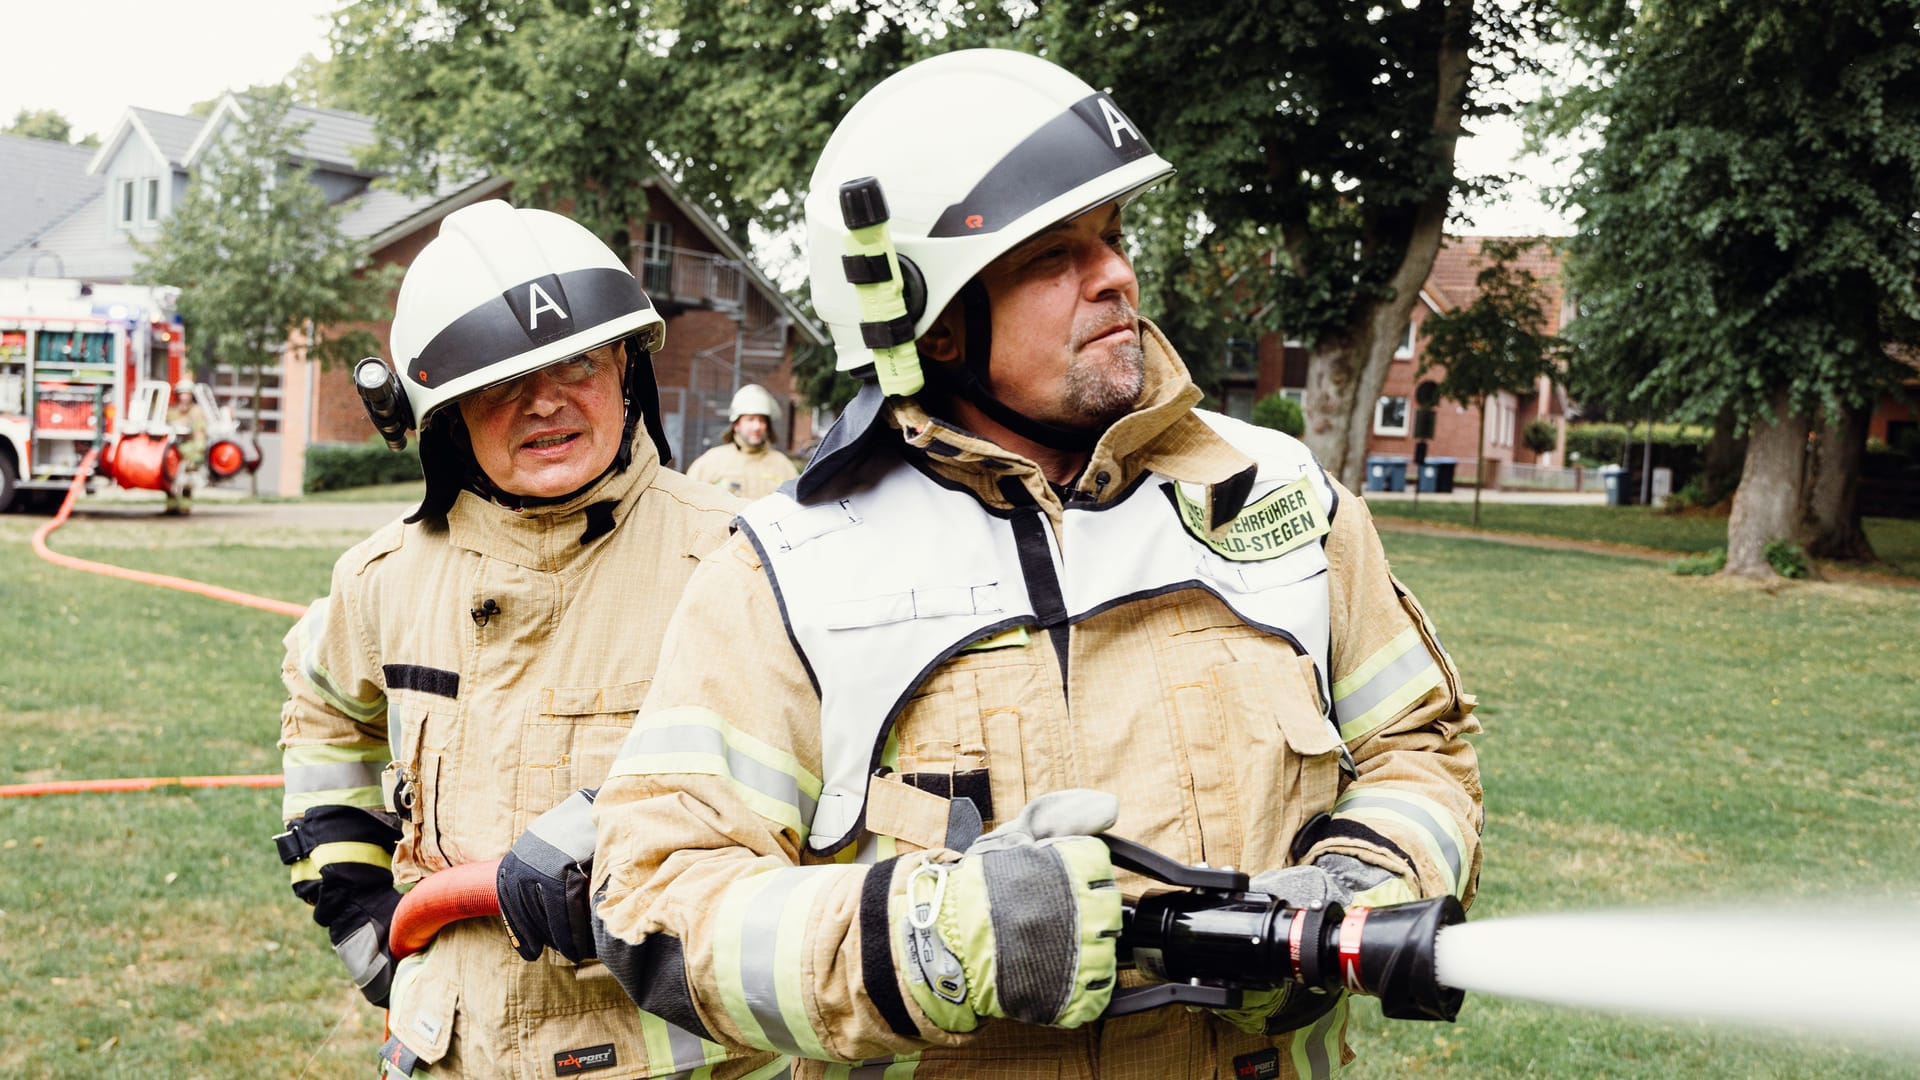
423, 376
975, 221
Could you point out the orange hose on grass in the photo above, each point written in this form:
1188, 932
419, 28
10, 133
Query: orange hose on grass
165, 581
76, 787
143, 783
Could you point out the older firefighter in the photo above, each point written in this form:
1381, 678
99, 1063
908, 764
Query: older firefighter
747, 462
1040, 579
478, 663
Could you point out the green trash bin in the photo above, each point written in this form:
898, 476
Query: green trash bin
1614, 477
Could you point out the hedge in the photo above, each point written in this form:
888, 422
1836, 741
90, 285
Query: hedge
334, 466
1610, 444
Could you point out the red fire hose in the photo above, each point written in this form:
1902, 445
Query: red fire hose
461, 892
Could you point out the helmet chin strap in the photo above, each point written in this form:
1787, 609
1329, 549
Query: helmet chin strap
973, 382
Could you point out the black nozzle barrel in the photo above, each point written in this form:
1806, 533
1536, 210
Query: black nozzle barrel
1250, 940
385, 401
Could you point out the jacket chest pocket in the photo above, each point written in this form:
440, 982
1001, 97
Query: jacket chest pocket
1287, 756
426, 754
571, 742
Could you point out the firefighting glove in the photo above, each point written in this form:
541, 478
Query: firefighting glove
544, 882
1023, 925
1330, 879
358, 926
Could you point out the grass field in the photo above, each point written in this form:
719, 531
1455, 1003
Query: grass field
1650, 740
1895, 541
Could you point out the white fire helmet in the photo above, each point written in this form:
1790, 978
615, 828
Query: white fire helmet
975, 150
504, 291
752, 400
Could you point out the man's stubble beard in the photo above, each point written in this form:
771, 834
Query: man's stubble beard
1101, 389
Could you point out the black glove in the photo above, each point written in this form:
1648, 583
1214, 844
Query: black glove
354, 899
544, 879
358, 928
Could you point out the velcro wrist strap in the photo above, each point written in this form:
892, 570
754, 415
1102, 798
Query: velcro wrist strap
294, 844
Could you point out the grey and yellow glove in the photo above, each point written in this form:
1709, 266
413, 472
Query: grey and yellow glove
1023, 925
543, 881
1329, 879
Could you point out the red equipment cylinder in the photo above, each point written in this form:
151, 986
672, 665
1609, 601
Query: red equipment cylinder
225, 458
144, 461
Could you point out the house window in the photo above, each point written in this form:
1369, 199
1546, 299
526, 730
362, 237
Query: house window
1390, 416
126, 204
656, 270
153, 200
1404, 350
1239, 402
1295, 394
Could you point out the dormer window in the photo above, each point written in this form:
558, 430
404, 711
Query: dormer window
125, 203
153, 200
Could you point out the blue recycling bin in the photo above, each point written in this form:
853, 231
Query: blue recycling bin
1436, 475
1386, 473
1614, 477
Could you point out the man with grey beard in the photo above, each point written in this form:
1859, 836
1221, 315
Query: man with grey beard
1023, 585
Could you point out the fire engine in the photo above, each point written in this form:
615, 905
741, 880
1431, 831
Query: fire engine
93, 366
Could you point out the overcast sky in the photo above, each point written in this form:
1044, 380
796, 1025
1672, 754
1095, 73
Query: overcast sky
90, 59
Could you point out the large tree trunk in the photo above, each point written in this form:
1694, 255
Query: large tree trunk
1344, 377
1767, 505
1832, 529
1720, 466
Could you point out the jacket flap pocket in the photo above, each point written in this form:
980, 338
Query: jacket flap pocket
423, 1009
595, 700
907, 813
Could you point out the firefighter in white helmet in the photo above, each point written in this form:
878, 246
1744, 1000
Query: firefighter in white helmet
465, 684
748, 461
189, 423
1042, 579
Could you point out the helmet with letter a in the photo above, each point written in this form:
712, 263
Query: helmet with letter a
503, 291
975, 151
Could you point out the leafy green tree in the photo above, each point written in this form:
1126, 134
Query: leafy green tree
1498, 343
1315, 140
258, 255
1748, 229
46, 124
1315, 143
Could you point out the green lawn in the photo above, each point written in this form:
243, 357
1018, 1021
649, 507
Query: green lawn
1650, 739
1895, 541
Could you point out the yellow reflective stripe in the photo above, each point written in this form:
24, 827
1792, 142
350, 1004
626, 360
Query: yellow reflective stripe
293, 806
1392, 678
325, 775
898, 1067
1316, 1049
315, 673
340, 851
692, 1057
1401, 812
697, 740
781, 1068
761, 941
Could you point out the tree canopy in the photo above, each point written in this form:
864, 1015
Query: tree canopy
46, 124
258, 254
1752, 219
1315, 140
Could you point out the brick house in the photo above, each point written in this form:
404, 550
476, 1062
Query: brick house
80, 211
1275, 364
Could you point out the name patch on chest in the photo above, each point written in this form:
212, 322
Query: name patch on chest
1267, 528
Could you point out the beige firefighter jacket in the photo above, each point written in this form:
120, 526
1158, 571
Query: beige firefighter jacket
746, 473
488, 669
1209, 731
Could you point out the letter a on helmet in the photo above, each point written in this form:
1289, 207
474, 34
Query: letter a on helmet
975, 151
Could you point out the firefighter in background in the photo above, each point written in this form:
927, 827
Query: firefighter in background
747, 462
189, 423
1044, 580
476, 664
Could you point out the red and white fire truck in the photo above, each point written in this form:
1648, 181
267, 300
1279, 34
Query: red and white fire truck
86, 366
